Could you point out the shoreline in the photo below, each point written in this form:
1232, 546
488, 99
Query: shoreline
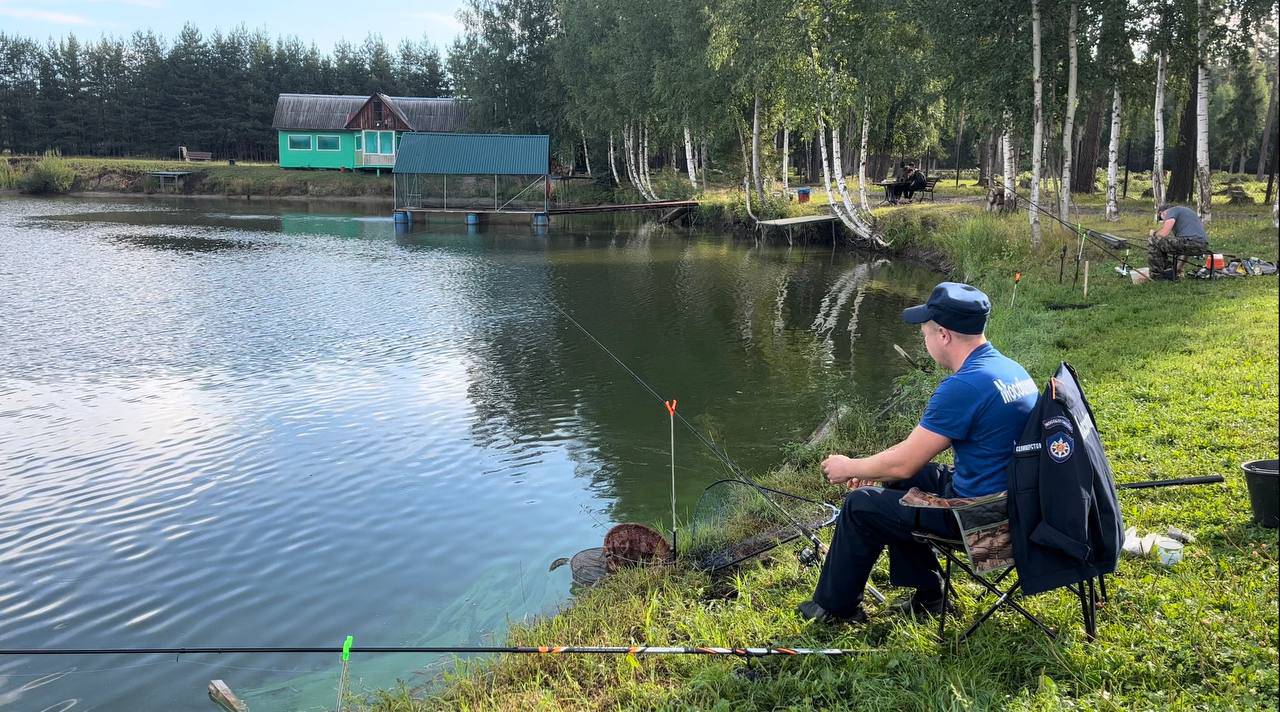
1143, 385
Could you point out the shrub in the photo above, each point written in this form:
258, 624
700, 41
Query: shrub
8, 175
51, 175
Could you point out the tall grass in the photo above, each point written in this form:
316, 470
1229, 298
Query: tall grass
50, 175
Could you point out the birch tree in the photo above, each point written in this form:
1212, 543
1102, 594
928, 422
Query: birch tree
689, 163
1113, 153
1069, 118
1037, 132
862, 154
1157, 159
1203, 176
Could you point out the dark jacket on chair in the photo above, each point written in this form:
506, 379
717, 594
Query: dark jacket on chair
1063, 511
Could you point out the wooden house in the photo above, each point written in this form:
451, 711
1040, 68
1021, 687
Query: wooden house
356, 132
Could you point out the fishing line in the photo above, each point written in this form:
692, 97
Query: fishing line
737, 472
456, 649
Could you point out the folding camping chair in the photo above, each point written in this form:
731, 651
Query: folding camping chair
987, 544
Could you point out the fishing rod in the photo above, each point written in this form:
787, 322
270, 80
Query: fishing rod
446, 649
1149, 484
722, 456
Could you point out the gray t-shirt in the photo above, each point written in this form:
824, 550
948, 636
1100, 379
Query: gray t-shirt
1186, 223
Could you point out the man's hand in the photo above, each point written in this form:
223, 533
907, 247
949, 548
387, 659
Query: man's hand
837, 469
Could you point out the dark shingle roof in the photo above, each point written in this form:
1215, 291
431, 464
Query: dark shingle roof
473, 154
331, 111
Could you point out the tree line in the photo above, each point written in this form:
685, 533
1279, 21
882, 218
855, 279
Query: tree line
831, 88
145, 95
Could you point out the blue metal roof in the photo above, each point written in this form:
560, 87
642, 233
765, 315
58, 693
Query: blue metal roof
471, 154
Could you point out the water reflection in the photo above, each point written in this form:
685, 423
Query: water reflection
243, 425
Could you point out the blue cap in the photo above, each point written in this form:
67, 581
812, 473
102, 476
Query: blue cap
958, 307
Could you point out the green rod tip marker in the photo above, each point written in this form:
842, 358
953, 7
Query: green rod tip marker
346, 647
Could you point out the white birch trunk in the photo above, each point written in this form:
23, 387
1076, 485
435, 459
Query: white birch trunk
628, 162
786, 158
689, 163
1203, 176
756, 181
1037, 131
1068, 123
837, 163
1157, 160
1010, 186
1113, 156
862, 155
613, 166
852, 222
586, 154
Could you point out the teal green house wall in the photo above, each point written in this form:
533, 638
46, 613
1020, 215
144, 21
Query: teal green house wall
292, 155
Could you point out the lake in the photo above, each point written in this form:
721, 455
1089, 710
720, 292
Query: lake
257, 424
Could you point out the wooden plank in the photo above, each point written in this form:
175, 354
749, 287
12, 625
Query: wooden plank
802, 220
221, 693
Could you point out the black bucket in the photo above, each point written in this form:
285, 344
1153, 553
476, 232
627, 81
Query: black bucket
1263, 479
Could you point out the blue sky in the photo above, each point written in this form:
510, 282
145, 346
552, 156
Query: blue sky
321, 21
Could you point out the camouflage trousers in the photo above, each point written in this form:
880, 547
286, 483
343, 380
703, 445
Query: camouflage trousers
1162, 251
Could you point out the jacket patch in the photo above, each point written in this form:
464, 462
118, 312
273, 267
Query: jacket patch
1029, 447
1057, 421
1060, 446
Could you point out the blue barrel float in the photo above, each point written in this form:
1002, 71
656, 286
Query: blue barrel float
401, 216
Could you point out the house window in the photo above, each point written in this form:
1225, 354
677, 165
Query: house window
327, 143
359, 142
299, 143
377, 112
388, 142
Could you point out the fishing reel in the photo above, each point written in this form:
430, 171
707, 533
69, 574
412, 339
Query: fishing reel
808, 557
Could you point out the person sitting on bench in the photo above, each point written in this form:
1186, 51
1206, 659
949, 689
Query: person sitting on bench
911, 182
978, 412
1180, 233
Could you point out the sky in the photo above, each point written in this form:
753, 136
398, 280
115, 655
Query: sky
323, 22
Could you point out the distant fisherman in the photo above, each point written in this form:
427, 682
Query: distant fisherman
1180, 233
979, 412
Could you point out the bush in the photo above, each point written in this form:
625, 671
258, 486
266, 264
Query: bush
51, 175
8, 175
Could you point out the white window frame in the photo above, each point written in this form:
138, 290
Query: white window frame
332, 136
360, 141
310, 142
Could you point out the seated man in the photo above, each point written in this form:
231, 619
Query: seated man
979, 412
907, 186
1180, 232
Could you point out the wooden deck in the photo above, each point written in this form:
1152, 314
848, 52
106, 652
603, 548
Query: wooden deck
802, 220
625, 207
790, 224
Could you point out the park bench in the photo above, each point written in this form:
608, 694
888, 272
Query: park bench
930, 182
187, 155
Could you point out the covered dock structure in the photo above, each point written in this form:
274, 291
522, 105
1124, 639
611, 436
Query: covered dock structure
475, 174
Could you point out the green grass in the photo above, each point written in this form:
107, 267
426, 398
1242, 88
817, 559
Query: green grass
1182, 378
127, 175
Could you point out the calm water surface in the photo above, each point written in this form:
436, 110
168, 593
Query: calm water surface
238, 424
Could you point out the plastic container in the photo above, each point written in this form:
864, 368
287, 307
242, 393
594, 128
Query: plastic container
1263, 480
1170, 550
1215, 261
802, 195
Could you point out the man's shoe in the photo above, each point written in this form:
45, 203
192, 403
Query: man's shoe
811, 611
919, 604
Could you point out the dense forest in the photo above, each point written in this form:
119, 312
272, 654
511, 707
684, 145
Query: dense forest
845, 87
145, 96
745, 86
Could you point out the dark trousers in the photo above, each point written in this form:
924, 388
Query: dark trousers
872, 519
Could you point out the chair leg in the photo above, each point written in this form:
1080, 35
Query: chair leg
1006, 598
1102, 589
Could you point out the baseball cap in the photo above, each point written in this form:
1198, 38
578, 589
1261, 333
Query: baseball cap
959, 307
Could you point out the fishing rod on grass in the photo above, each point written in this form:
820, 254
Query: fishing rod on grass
811, 555
755, 652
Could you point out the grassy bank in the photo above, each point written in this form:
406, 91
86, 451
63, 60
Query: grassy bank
1183, 380
126, 175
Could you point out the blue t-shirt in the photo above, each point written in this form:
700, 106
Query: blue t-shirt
982, 408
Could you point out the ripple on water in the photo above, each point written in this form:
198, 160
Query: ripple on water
281, 428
